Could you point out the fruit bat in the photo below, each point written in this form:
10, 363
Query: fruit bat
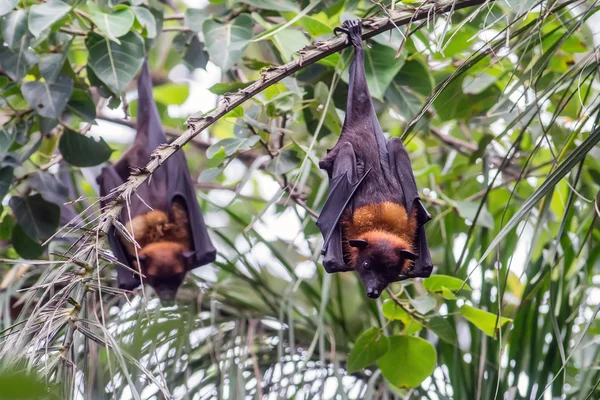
373, 219
163, 215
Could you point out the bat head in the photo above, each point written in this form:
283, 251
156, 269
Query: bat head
380, 260
164, 265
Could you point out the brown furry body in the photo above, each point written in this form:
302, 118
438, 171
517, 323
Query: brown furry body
163, 243
385, 226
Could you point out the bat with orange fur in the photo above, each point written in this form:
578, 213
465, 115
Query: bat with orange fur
163, 216
373, 219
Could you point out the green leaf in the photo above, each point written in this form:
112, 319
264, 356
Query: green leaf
487, 322
48, 99
14, 29
83, 151
408, 362
195, 55
24, 245
6, 175
6, 227
113, 25
274, 5
230, 87
415, 76
49, 187
226, 42
194, 19
447, 294
285, 161
369, 347
171, 93
443, 329
147, 20
232, 145
477, 84
16, 64
209, 175
50, 65
81, 105
7, 6
468, 210
38, 217
43, 16
423, 304
115, 64
435, 283
394, 312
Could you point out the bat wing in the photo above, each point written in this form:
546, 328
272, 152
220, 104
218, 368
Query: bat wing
180, 186
342, 186
400, 164
174, 172
108, 180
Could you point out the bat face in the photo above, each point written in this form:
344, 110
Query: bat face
379, 262
164, 265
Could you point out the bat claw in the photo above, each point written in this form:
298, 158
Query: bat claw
339, 29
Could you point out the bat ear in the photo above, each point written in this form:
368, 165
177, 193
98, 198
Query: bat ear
408, 255
358, 243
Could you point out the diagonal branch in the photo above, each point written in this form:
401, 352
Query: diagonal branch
308, 55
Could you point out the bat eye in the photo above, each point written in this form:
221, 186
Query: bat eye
366, 265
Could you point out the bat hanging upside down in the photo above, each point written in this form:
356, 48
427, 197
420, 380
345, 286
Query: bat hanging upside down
163, 216
373, 219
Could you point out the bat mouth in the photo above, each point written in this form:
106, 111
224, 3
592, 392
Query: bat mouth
373, 293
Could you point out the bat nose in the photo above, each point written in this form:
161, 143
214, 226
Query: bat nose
373, 293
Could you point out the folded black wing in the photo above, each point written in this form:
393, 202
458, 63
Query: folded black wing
400, 164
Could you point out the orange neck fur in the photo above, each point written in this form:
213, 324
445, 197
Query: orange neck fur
382, 222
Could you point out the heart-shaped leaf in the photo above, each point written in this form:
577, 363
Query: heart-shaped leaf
7, 6
489, 323
226, 42
194, 18
369, 347
408, 362
83, 151
81, 105
43, 16
14, 29
17, 63
48, 99
147, 20
51, 64
113, 63
195, 55
423, 304
38, 217
25, 246
49, 187
113, 25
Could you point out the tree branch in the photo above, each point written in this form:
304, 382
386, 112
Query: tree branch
309, 55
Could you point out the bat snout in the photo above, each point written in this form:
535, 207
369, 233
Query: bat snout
373, 293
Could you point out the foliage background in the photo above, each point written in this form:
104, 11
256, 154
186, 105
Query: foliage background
497, 104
